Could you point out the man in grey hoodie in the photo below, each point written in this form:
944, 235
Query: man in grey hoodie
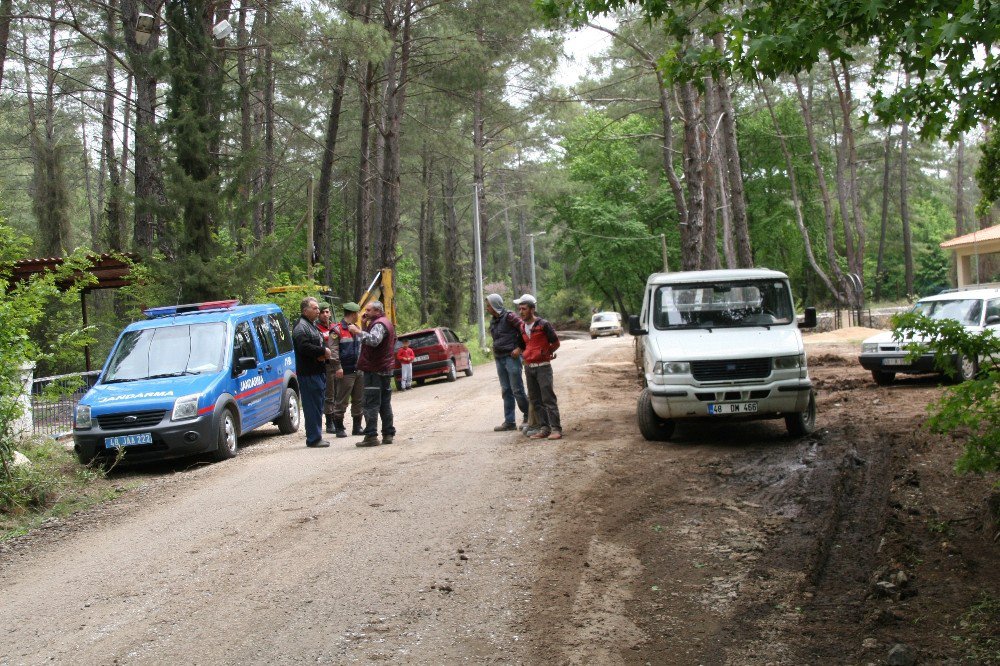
505, 328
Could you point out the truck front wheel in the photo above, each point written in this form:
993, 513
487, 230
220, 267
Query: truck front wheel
652, 426
803, 423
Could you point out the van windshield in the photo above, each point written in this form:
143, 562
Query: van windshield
170, 351
723, 305
966, 311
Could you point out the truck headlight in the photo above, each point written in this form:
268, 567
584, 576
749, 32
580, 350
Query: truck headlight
789, 362
185, 407
672, 368
83, 421
869, 347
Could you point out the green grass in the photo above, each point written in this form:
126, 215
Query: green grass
55, 485
980, 630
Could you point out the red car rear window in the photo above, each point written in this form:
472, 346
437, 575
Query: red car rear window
422, 340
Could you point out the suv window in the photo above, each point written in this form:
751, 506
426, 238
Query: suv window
264, 335
279, 326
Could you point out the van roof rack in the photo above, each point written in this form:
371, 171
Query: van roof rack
190, 308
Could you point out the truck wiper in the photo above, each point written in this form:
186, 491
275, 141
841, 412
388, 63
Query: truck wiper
180, 373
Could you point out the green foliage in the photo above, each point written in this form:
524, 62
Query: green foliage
970, 409
988, 173
978, 629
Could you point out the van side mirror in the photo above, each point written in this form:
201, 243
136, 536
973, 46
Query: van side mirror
993, 319
808, 319
245, 363
633, 326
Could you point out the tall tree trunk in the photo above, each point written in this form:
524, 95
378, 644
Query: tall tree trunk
95, 231
511, 257
453, 276
148, 175
6, 9
244, 201
694, 170
269, 163
734, 171
960, 187
831, 248
711, 121
114, 209
857, 217
904, 205
423, 232
840, 178
363, 209
880, 273
797, 202
321, 224
395, 102
126, 116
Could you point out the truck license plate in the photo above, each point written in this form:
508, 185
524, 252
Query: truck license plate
733, 408
895, 361
422, 357
128, 440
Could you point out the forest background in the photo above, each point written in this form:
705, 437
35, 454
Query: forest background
822, 140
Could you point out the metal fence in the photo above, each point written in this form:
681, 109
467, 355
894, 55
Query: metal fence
53, 400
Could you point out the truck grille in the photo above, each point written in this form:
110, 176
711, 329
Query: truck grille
128, 421
749, 368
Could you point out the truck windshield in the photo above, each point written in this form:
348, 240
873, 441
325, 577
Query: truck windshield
171, 351
723, 305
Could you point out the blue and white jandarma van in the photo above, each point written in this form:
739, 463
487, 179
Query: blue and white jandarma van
190, 379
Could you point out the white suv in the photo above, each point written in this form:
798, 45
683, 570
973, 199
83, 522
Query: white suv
977, 309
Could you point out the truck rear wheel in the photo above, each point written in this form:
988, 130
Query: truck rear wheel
652, 426
803, 423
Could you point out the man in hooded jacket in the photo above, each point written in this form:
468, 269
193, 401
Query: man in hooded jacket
505, 329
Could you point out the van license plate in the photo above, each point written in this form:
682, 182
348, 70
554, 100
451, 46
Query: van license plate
128, 440
733, 408
422, 357
895, 361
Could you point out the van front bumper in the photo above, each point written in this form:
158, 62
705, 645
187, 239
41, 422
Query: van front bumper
769, 399
171, 439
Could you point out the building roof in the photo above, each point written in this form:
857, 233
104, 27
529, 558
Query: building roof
974, 238
110, 269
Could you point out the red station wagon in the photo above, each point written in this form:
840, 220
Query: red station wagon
439, 353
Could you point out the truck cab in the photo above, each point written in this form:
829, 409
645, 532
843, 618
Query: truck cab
721, 345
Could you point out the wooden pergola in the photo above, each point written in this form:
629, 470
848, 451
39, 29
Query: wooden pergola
111, 271
975, 244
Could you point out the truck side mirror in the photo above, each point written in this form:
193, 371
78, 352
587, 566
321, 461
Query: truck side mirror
808, 319
633, 326
245, 363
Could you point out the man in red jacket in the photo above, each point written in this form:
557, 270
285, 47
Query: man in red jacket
540, 345
377, 361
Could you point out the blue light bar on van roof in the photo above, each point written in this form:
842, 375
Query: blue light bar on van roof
189, 308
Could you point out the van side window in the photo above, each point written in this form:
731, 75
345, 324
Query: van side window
243, 342
279, 326
264, 335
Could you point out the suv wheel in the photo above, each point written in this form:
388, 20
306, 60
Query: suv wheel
288, 422
803, 423
452, 374
652, 426
227, 439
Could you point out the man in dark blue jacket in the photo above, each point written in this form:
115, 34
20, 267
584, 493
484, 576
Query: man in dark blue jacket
310, 365
347, 379
505, 328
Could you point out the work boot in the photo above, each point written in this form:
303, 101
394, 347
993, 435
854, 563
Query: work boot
357, 429
387, 439
338, 425
503, 427
329, 424
369, 440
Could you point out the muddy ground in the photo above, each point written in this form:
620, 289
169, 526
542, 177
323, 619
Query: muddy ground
731, 544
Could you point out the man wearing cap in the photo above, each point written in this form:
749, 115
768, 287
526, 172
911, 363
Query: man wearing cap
347, 379
377, 361
505, 329
310, 366
540, 344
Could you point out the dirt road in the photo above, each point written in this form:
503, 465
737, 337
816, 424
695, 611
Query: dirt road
460, 545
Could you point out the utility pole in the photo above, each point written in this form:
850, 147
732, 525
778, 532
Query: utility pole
480, 314
531, 247
663, 246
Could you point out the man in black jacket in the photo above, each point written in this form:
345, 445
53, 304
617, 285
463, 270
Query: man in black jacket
505, 328
310, 363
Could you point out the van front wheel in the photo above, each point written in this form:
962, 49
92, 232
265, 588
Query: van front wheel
288, 422
226, 448
652, 426
803, 423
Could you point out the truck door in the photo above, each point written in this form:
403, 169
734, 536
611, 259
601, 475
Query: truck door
272, 371
248, 380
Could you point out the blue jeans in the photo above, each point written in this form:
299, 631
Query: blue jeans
378, 403
313, 390
511, 387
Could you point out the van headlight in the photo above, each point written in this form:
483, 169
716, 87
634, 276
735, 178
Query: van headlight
83, 421
672, 368
789, 362
869, 347
185, 407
